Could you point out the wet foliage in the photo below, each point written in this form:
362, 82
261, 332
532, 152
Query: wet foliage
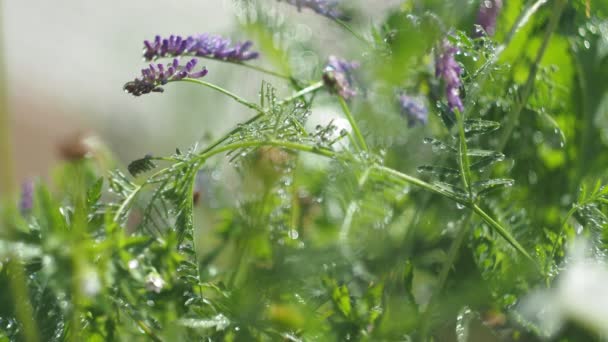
366, 225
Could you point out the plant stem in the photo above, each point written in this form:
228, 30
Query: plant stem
502, 231
513, 116
24, 311
443, 275
353, 124
348, 220
276, 143
126, 202
521, 20
413, 180
225, 92
463, 155
563, 229
310, 89
350, 29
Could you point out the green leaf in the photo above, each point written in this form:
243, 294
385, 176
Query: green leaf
440, 171
341, 298
484, 162
477, 127
483, 187
452, 191
94, 192
439, 146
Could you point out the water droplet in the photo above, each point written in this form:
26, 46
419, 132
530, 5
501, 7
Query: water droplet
532, 177
460, 206
133, 264
293, 234
587, 44
581, 31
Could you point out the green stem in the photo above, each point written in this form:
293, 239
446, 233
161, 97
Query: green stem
126, 202
24, 311
350, 29
418, 182
513, 116
195, 236
353, 123
276, 143
563, 229
443, 275
502, 231
348, 220
225, 92
310, 89
521, 20
463, 154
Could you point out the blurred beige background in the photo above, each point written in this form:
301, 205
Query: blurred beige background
67, 60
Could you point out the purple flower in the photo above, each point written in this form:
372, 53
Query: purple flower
323, 7
486, 17
414, 109
449, 70
157, 75
204, 45
338, 77
27, 197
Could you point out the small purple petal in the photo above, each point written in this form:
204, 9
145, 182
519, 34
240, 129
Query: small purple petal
414, 109
154, 77
27, 197
447, 68
486, 17
338, 77
203, 45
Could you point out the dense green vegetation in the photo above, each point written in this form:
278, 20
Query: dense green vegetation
401, 215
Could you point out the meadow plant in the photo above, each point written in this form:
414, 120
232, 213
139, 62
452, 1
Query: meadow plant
474, 153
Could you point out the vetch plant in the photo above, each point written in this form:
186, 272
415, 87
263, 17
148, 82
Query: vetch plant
433, 209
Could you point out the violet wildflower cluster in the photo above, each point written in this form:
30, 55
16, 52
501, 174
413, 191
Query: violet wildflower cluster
447, 68
204, 45
338, 77
26, 203
157, 75
413, 108
486, 17
325, 8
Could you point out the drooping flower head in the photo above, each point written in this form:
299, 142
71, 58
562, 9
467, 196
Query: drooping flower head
157, 75
413, 108
338, 77
448, 69
325, 8
204, 45
26, 202
486, 17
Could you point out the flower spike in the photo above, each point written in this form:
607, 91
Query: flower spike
338, 77
414, 109
157, 75
447, 68
204, 45
486, 17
